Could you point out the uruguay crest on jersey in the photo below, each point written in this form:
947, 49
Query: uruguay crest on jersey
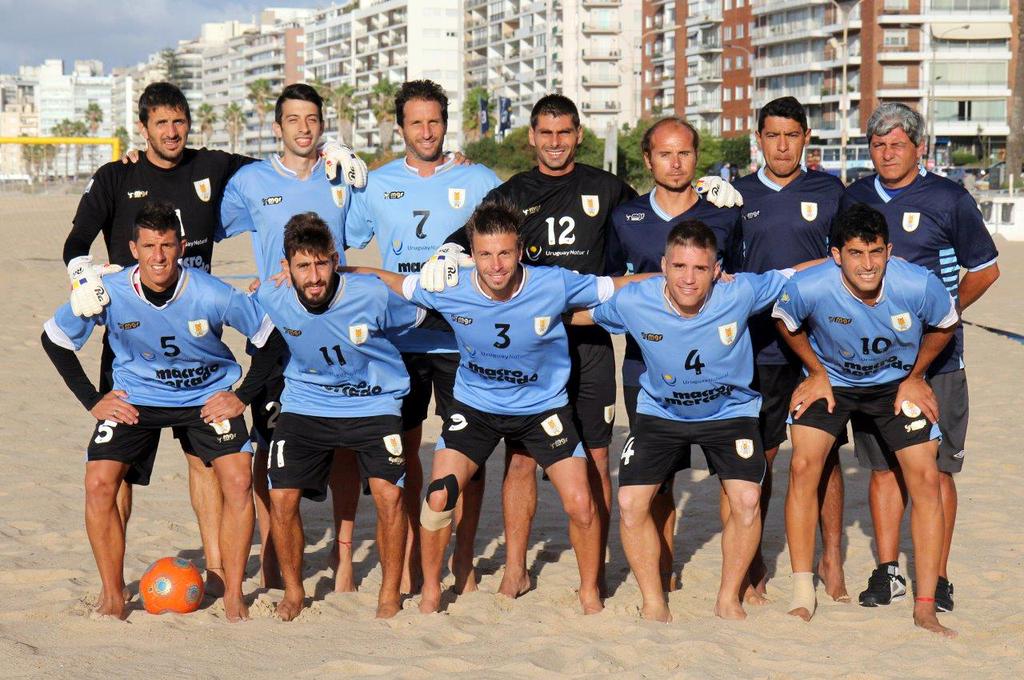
727, 333
902, 321
744, 448
198, 327
456, 197
393, 443
533, 252
591, 204
541, 324
203, 189
338, 194
809, 210
358, 333
911, 220
552, 425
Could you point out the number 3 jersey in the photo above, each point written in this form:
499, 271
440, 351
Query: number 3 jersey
514, 353
698, 368
411, 216
171, 355
860, 344
341, 365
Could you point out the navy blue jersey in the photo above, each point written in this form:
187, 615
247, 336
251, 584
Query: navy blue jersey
636, 244
411, 215
936, 223
171, 355
698, 368
861, 345
514, 353
341, 363
782, 227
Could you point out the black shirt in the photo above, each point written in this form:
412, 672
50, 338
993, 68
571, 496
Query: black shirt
117, 191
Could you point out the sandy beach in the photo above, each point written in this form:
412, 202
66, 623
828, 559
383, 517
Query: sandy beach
48, 579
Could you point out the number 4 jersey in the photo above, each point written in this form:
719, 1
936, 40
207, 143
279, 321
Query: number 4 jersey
698, 368
860, 344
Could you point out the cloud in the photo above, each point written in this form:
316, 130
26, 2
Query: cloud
117, 32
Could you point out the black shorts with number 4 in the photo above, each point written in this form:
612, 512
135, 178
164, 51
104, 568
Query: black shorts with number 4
136, 444
657, 447
302, 450
549, 436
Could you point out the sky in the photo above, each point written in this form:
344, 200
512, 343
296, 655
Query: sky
117, 32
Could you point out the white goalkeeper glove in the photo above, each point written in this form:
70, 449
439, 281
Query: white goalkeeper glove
337, 157
718, 192
88, 296
442, 269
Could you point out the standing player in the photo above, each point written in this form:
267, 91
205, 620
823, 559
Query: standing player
695, 390
511, 382
170, 370
786, 218
410, 205
260, 198
935, 223
866, 331
344, 384
636, 244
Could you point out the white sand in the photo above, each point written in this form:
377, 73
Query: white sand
48, 580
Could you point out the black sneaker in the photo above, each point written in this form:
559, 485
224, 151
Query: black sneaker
943, 595
885, 585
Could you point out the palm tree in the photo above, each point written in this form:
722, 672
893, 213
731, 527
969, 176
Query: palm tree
259, 95
93, 118
61, 129
79, 129
122, 135
206, 117
174, 69
382, 105
234, 123
1015, 140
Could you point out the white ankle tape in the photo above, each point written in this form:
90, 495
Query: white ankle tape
803, 592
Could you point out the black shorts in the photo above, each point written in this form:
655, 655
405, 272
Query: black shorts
591, 385
548, 437
428, 372
656, 447
266, 408
631, 394
136, 444
776, 383
951, 392
302, 450
872, 404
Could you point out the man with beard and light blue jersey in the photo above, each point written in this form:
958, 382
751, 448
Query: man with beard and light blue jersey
411, 204
259, 199
866, 328
935, 223
693, 337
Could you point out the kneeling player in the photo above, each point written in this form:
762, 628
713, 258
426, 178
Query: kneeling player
511, 382
866, 331
698, 393
171, 370
344, 383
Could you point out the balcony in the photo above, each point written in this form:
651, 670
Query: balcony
703, 75
601, 107
601, 55
602, 80
694, 47
587, 4
591, 27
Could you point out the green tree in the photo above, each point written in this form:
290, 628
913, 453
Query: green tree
65, 128
122, 136
93, 119
79, 129
382, 106
259, 95
174, 69
340, 99
234, 123
471, 113
206, 118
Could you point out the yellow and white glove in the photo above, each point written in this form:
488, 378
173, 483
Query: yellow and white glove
88, 296
442, 269
718, 192
338, 156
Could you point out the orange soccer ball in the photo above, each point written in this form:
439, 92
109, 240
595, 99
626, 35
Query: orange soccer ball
171, 584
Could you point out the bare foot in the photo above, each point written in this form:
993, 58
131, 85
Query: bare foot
290, 606
669, 581
752, 597
465, 575
730, 609
656, 612
590, 599
430, 598
214, 582
387, 609
830, 571
124, 593
801, 612
235, 608
112, 605
514, 584
341, 564
924, 617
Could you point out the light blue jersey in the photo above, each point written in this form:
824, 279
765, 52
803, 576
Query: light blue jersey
514, 354
170, 355
341, 364
262, 197
698, 368
411, 217
860, 344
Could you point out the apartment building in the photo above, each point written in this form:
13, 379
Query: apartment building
18, 118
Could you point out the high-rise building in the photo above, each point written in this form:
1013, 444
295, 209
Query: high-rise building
18, 118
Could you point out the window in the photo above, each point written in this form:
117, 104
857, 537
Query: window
896, 5
739, 92
727, 33
726, 95
726, 124
971, 73
895, 37
727, 64
894, 75
739, 31
739, 63
739, 122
